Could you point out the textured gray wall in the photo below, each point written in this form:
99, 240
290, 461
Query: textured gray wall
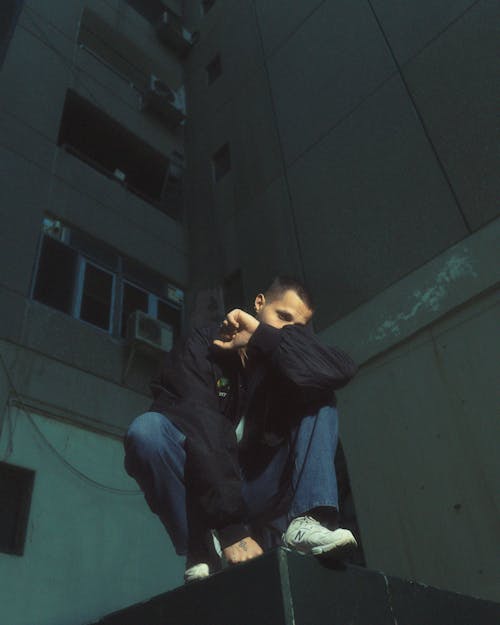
368, 127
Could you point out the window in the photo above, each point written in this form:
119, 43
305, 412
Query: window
116, 51
206, 5
90, 281
104, 144
152, 10
233, 291
221, 162
9, 12
214, 69
16, 487
95, 295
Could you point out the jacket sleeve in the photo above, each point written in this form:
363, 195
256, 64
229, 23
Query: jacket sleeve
296, 354
211, 471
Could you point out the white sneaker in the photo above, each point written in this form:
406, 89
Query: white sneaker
308, 536
195, 572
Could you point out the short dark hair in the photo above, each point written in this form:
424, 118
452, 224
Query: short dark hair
281, 284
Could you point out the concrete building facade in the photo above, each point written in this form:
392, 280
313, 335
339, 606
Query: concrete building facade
348, 143
88, 235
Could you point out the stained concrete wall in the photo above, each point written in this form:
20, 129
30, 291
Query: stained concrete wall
90, 548
362, 159
420, 421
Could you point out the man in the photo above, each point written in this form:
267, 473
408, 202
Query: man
241, 436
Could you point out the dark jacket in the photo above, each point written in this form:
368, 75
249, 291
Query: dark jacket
205, 390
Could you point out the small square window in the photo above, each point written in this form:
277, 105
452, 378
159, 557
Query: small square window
206, 5
221, 161
233, 291
16, 487
214, 69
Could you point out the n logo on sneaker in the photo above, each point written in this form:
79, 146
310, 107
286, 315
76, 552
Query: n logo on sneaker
299, 535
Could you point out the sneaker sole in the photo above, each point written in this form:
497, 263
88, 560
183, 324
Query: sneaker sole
196, 572
336, 549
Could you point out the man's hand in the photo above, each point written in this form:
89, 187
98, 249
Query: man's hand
236, 330
245, 549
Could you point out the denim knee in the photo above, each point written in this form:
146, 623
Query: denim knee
145, 430
151, 432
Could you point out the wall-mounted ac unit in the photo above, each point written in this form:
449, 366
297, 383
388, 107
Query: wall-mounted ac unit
171, 32
159, 89
190, 37
149, 333
175, 167
164, 101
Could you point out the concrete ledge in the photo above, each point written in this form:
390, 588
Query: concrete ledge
283, 588
460, 274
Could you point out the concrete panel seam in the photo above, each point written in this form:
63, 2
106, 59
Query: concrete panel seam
389, 598
422, 121
282, 153
285, 586
441, 32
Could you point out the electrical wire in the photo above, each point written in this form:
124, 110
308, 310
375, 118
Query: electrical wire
48, 444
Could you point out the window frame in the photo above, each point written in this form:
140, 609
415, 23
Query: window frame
9, 32
221, 162
206, 6
119, 280
27, 477
153, 300
82, 262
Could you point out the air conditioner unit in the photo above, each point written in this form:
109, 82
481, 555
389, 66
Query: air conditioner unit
176, 166
180, 99
171, 32
160, 99
190, 37
120, 175
159, 89
149, 333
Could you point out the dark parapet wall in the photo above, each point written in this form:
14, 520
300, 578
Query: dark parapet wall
284, 588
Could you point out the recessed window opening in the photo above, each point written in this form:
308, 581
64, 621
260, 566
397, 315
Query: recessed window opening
9, 12
94, 294
152, 10
91, 282
206, 5
214, 69
233, 291
109, 147
16, 487
221, 162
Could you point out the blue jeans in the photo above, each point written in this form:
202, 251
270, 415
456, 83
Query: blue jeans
279, 483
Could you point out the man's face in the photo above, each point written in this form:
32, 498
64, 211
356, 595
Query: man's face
282, 311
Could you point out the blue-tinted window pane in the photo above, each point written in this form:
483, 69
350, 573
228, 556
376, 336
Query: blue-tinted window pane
97, 297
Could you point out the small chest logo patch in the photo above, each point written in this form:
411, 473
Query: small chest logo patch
223, 387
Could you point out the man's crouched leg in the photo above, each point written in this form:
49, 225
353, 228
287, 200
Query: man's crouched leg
312, 520
155, 457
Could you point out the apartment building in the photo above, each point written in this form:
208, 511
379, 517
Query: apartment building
163, 160
93, 115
